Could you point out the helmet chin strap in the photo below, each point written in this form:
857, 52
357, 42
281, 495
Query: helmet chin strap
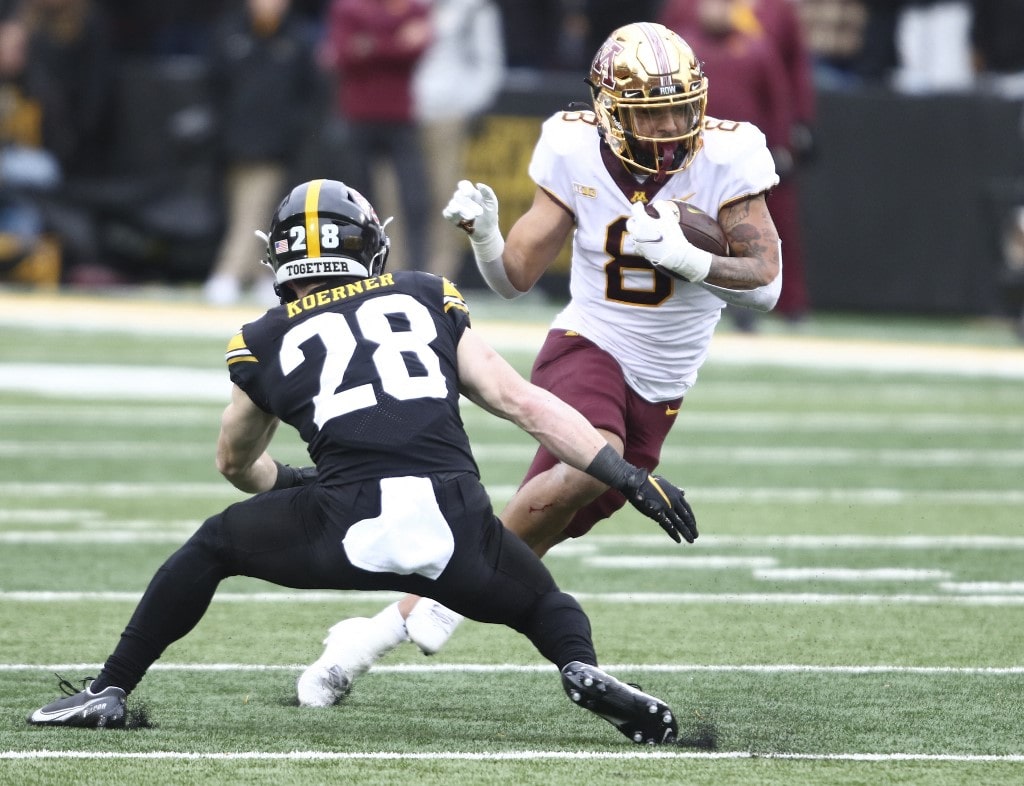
282, 294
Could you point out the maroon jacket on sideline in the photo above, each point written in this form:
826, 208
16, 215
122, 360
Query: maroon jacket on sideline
366, 47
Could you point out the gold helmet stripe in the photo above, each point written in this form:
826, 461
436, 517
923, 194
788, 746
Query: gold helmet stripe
313, 219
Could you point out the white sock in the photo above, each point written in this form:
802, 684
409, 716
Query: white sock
392, 625
430, 625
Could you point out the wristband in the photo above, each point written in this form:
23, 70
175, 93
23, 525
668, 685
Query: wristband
492, 266
489, 248
610, 468
290, 477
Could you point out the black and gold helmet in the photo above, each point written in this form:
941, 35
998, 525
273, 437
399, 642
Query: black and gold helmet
325, 228
642, 76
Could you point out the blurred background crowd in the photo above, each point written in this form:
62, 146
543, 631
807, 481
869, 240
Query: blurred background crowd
144, 140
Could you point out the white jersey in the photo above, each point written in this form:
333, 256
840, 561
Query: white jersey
658, 328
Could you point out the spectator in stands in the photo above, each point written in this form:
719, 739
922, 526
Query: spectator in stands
757, 48
781, 23
879, 59
563, 35
457, 79
997, 45
373, 47
70, 71
27, 170
834, 31
932, 38
264, 85
58, 60
164, 28
997, 57
604, 16
531, 30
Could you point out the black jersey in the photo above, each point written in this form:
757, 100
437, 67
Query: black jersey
366, 372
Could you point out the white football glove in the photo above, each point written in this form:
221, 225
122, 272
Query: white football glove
474, 209
662, 243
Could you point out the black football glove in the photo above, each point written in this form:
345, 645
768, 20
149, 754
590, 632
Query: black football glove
289, 477
658, 499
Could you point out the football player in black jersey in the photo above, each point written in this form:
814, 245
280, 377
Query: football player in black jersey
368, 367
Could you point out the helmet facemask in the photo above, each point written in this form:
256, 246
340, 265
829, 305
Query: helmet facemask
650, 97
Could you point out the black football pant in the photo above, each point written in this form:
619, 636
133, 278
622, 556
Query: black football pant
293, 538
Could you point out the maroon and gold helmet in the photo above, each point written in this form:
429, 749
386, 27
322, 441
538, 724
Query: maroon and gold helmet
650, 96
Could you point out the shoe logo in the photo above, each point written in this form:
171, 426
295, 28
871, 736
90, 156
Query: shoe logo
671, 412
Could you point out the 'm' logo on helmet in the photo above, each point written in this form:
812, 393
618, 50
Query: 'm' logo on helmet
604, 62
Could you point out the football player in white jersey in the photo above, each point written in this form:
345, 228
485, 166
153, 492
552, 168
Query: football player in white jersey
644, 301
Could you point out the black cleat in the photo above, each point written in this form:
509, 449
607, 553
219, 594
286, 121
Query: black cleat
105, 709
643, 718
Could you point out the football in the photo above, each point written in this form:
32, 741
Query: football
700, 228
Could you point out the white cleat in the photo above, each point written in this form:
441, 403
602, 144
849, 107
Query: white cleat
352, 646
430, 625
323, 686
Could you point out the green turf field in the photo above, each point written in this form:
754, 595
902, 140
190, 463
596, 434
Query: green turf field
853, 612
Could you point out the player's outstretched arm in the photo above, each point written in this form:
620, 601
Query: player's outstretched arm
510, 268
488, 380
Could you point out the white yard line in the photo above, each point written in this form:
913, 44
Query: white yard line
997, 587
750, 419
681, 561
736, 454
544, 668
124, 531
805, 599
86, 381
794, 456
851, 574
632, 754
729, 494
841, 542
